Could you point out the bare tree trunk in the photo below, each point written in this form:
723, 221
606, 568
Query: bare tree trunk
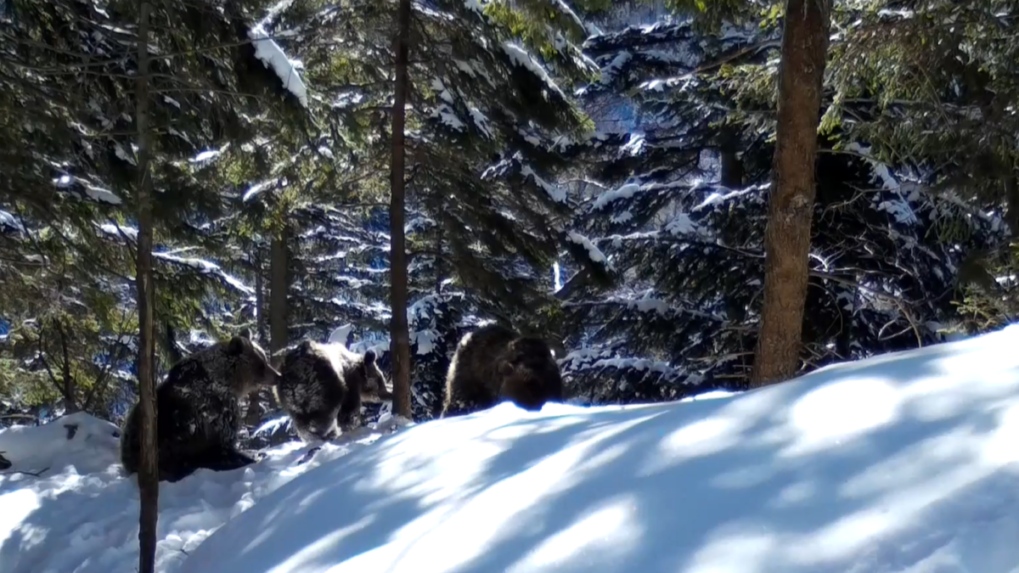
170, 342
148, 471
260, 296
440, 237
787, 236
398, 328
1011, 198
70, 388
732, 167
254, 413
278, 284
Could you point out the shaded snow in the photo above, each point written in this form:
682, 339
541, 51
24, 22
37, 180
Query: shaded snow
81, 515
901, 463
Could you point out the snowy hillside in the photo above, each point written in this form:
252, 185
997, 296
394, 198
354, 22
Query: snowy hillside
901, 463
80, 514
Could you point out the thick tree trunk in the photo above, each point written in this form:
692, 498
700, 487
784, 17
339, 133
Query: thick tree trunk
148, 472
398, 329
787, 236
279, 282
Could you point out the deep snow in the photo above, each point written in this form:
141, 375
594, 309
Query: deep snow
81, 514
901, 463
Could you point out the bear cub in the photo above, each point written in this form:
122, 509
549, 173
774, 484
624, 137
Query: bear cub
198, 410
323, 384
495, 363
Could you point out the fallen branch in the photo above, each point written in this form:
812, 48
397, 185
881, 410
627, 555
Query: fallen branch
33, 474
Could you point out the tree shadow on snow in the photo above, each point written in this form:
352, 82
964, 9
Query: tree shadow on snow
850, 467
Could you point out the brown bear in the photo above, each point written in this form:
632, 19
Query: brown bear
323, 384
198, 410
495, 363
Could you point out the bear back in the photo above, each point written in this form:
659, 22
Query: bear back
323, 384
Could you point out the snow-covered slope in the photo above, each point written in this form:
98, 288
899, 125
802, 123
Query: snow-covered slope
899, 463
80, 513
902, 463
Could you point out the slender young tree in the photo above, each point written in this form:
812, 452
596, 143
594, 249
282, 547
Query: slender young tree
279, 284
148, 474
399, 331
791, 201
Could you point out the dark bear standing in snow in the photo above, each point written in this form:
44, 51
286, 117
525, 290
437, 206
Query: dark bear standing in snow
495, 363
325, 383
199, 413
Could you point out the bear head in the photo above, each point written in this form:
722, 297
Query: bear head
373, 381
529, 373
252, 369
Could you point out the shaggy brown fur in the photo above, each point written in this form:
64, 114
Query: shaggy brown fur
495, 363
325, 383
199, 413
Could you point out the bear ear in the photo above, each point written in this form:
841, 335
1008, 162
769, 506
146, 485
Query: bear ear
236, 346
246, 333
369, 357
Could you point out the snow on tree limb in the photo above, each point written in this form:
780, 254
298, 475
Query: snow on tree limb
272, 56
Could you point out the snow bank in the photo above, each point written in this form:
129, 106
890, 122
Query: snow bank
81, 514
900, 463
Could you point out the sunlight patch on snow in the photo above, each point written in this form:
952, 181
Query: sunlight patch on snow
897, 464
16, 506
94, 192
836, 413
85, 505
585, 538
206, 155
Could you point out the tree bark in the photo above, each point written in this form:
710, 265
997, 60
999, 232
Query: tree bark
260, 296
148, 472
70, 388
170, 342
731, 175
790, 207
254, 413
399, 334
1011, 183
279, 282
